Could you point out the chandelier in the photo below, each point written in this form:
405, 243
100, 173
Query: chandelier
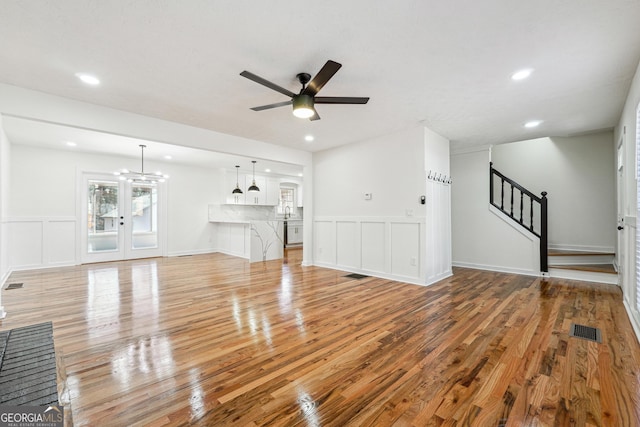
141, 177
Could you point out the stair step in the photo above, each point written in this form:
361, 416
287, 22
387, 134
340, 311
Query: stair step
600, 273
596, 268
561, 252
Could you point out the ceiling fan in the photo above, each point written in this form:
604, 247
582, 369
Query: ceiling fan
303, 102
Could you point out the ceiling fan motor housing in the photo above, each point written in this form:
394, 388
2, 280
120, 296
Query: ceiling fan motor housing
303, 78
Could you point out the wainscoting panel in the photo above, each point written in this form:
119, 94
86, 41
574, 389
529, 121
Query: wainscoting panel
324, 240
405, 249
60, 242
438, 256
347, 245
41, 242
373, 238
389, 247
233, 239
26, 244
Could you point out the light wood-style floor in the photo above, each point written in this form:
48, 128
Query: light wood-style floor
213, 340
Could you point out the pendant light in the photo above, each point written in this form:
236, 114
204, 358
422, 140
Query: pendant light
237, 190
254, 188
141, 177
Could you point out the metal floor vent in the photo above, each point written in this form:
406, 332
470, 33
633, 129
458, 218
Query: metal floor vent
14, 286
585, 332
356, 276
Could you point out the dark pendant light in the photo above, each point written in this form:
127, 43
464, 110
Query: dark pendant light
237, 190
254, 187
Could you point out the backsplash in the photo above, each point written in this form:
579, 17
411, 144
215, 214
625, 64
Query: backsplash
241, 213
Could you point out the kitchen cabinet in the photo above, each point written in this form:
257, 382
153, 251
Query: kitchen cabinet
294, 233
267, 196
272, 192
258, 197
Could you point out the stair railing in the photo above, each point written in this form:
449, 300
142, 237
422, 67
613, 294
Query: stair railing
535, 224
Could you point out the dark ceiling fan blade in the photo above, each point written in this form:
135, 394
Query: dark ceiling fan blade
323, 76
269, 106
340, 100
315, 115
267, 83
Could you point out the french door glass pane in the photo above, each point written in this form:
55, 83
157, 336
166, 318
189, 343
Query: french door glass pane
102, 216
144, 216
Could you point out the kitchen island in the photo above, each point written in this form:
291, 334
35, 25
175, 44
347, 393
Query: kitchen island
250, 232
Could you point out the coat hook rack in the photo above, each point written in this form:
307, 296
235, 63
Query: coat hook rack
439, 177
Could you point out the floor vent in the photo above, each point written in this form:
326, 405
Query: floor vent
585, 332
14, 286
356, 276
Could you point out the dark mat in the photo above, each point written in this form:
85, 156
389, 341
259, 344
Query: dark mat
28, 366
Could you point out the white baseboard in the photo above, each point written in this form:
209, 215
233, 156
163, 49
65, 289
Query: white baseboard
196, 252
632, 319
496, 268
44, 266
395, 278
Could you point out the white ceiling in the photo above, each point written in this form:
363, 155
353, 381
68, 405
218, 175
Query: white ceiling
444, 64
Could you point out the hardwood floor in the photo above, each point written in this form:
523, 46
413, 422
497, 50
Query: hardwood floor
213, 340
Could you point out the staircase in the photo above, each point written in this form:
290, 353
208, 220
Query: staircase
529, 211
583, 265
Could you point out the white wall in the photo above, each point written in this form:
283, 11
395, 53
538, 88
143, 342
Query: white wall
391, 168
387, 235
627, 131
42, 213
438, 207
482, 239
579, 175
40, 106
5, 155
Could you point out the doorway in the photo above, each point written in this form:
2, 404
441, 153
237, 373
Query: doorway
120, 219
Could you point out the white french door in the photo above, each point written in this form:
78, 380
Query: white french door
120, 220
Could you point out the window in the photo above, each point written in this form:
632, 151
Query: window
287, 200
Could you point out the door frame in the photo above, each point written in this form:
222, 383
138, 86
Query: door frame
621, 234
124, 191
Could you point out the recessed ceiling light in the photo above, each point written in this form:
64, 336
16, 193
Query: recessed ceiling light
522, 74
533, 123
308, 138
168, 157
299, 174
88, 79
267, 170
71, 143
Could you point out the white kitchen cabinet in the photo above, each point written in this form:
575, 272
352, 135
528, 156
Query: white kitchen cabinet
230, 185
267, 196
272, 192
258, 197
294, 233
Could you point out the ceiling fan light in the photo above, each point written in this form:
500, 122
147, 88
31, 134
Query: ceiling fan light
303, 106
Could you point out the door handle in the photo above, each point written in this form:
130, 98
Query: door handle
620, 227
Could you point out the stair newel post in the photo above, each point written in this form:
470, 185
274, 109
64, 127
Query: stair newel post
490, 182
544, 264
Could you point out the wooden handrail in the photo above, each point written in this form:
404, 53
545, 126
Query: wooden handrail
528, 224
